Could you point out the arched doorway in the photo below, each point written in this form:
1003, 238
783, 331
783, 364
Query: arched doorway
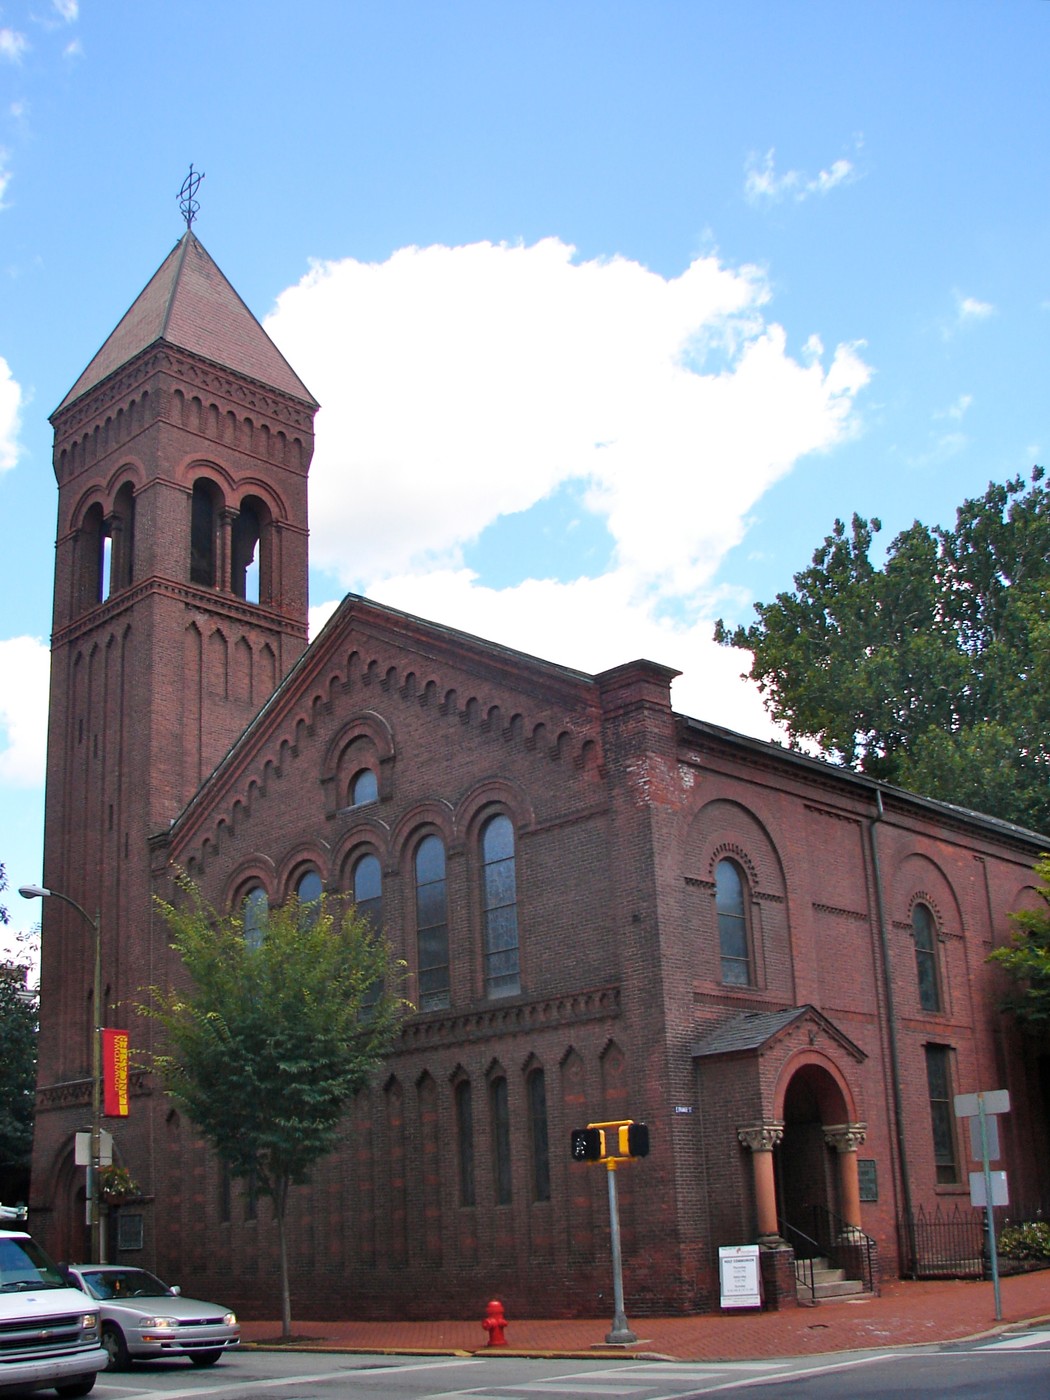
815, 1107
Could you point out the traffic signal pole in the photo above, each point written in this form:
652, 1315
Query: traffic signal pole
621, 1334
612, 1143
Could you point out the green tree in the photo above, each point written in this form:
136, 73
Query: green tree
931, 672
268, 1046
1027, 957
18, 1024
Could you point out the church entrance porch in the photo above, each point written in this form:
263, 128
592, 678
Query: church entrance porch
817, 1186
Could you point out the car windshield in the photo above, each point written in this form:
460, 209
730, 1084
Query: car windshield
122, 1283
24, 1265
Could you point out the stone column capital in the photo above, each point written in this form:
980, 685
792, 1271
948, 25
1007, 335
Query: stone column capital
845, 1137
760, 1137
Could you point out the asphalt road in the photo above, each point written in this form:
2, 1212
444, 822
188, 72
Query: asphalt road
1008, 1368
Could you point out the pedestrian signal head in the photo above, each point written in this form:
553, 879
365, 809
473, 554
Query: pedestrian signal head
588, 1144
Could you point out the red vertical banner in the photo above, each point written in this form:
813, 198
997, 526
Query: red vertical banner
115, 1073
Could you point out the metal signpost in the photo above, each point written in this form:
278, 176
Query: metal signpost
983, 1190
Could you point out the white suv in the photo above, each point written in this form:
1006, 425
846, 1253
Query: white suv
49, 1332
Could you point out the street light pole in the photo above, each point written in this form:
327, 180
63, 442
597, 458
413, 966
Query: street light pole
93, 1180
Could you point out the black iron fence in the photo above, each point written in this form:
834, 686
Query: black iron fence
954, 1244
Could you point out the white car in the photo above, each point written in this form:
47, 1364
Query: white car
144, 1319
48, 1330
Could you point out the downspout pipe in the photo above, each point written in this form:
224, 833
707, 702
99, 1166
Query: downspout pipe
891, 1016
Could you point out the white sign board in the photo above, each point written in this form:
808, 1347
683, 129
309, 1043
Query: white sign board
1000, 1192
991, 1133
82, 1149
994, 1101
740, 1276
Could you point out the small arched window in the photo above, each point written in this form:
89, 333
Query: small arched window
924, 931
499, 902
432, 925
308, 892
734, 935
363, 788
255, 912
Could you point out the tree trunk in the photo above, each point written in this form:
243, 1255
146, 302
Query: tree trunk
280, 1200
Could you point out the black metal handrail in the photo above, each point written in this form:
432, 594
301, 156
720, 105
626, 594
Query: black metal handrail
844, 1246
806, 1251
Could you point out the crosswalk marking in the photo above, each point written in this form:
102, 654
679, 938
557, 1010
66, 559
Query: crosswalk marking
1026, 1339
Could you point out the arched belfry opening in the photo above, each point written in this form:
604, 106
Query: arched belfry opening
251, 553
205, 515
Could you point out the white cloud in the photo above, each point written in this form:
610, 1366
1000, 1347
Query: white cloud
460, 384
10, 408
12, 45
589, 625
970, 309
762, 184
957, 410
24, 673
68, 10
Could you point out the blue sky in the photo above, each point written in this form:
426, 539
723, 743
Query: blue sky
611, 308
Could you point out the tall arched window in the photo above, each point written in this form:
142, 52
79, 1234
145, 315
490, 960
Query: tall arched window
538, 1137
924, 932
308, 892
256, 910
500, 908
432, 925
368, 890
734, 935
368, 898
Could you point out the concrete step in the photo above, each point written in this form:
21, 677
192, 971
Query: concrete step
843, 1288
828, 1283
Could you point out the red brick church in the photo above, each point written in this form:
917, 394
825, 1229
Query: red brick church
608, 910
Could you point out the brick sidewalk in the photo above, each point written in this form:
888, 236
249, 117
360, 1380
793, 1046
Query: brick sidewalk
905, 1313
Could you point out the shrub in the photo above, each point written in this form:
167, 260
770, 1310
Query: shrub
1028, 1241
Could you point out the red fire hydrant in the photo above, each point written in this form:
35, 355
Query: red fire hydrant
494, 1323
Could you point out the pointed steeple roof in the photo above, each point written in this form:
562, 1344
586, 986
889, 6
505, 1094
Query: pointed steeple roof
188, 303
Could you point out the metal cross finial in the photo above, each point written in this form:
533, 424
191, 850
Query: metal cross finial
187, 201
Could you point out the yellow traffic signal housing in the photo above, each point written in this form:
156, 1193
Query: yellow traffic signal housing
602, 1142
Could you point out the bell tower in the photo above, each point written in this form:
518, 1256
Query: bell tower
181, 454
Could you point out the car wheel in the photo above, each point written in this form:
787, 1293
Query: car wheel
82, 1386
205, 1358
116, 1348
